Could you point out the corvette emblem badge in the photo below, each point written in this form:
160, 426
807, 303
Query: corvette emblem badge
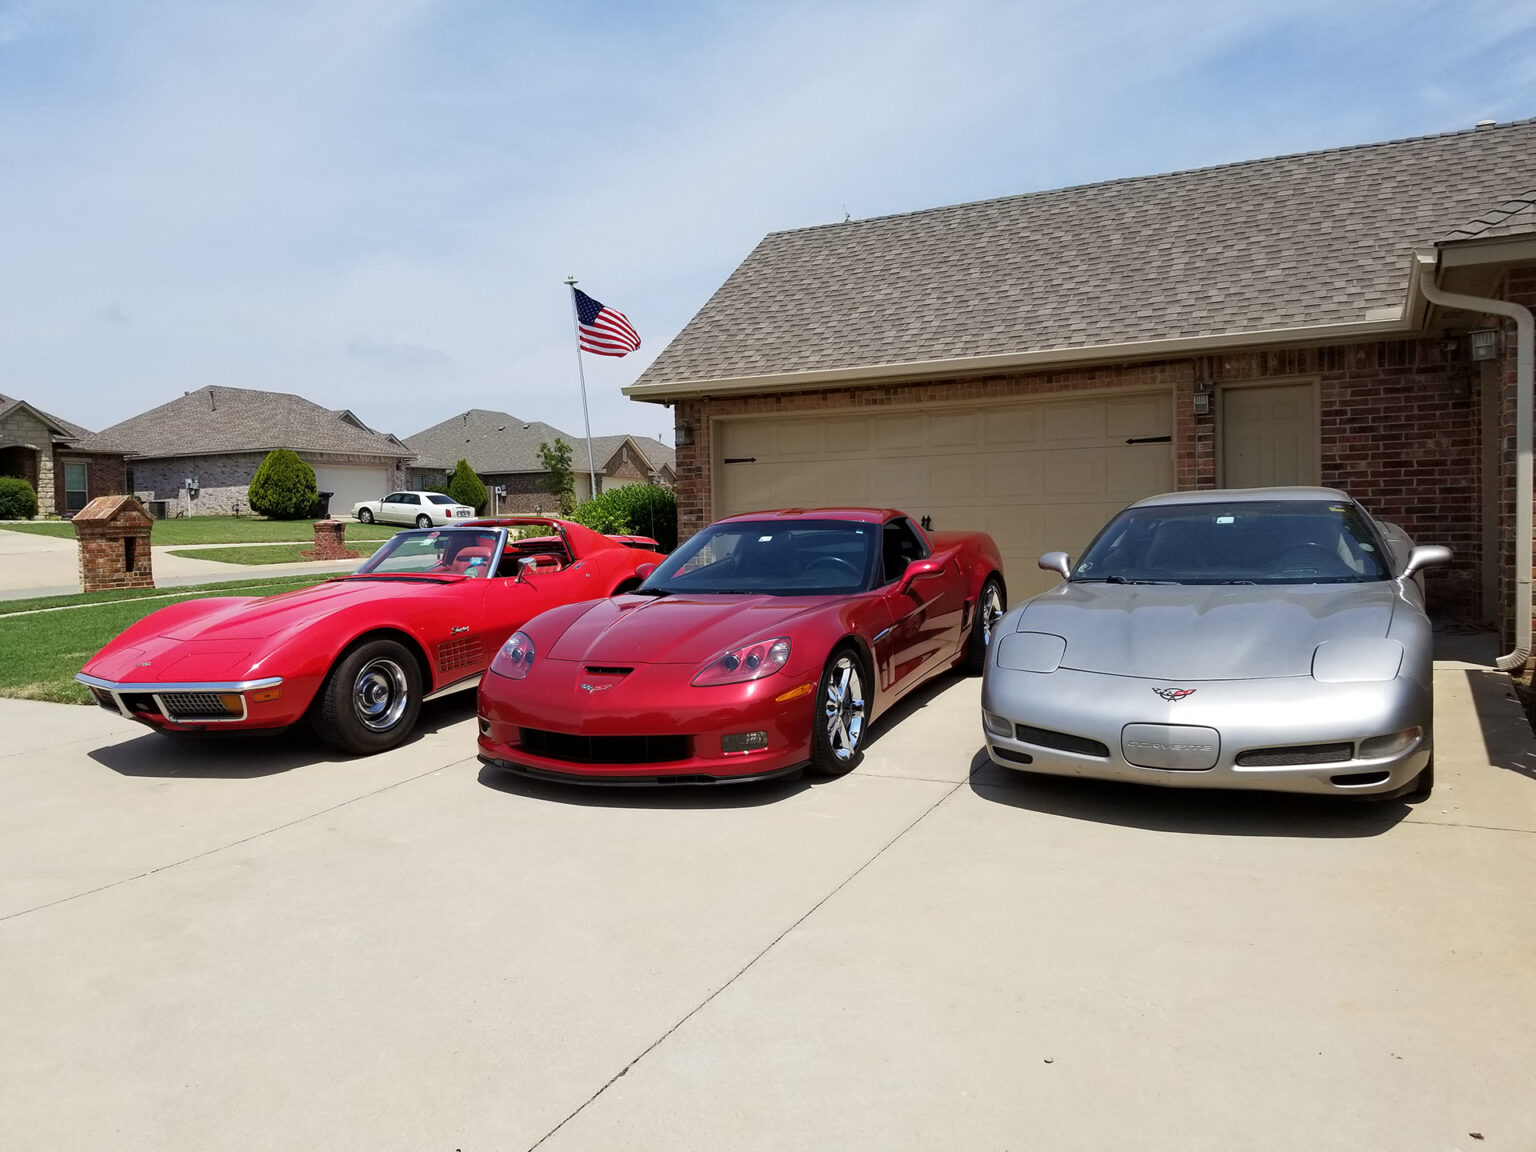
595, 687
1174, 695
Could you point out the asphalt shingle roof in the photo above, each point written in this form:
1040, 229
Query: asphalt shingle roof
217, 419
498, 442
1294, 241
1514, 217
72, 431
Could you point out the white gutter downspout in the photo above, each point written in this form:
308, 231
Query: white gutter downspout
1525, 349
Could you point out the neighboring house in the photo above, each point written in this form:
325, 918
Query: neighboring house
1029, 365
504, 451
196, 455
66, 465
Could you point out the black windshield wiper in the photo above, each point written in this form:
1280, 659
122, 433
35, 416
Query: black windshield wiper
1125, 580
650, 591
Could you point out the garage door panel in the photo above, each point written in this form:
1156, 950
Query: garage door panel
1037, 475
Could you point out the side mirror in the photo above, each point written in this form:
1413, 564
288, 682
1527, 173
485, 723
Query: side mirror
644, 571
524, 566
1426, 556
1058, 562
916, 571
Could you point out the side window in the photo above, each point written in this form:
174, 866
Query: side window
410, 498
392, 498
900, 545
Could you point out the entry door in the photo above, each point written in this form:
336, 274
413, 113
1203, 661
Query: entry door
1269, 436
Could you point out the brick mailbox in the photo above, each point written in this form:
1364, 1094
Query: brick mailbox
330, 542
113, 532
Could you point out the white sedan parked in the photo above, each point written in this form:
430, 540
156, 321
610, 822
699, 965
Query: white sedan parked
423, 509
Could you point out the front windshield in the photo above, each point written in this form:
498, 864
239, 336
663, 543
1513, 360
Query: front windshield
472, 552
777, 557
1250, 542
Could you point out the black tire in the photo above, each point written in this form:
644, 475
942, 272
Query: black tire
370, 700
423, 521
990, 606
365, 516
841, 716
1423, 784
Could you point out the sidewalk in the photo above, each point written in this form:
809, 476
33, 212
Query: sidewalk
49, 566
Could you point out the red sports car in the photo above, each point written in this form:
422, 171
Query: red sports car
359, 653
765, 644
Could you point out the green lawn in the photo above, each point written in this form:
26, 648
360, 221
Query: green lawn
44, 651
267, 553
218, 530
255, 586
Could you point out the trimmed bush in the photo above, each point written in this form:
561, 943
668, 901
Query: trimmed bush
284, 487
18, 499
634, 510
465, 487
559, 478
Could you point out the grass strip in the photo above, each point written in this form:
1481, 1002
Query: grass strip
217, 530
268, 553
43, 651
267, 586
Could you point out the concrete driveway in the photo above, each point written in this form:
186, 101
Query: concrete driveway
250, 945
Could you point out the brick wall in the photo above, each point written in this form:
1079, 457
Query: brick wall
224, 481
104, 476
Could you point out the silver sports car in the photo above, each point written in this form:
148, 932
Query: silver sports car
1268, 638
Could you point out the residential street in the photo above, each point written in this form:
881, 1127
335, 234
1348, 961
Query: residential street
250, 945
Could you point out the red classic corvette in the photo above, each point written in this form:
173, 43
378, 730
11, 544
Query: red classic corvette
359, 653
765, 644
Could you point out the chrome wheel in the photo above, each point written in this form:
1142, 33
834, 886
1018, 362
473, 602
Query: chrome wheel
843, 708
989, 611
380, 694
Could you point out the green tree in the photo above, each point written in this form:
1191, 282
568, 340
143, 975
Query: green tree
284, 487
465, 487
560, 478
18, 499
633, 510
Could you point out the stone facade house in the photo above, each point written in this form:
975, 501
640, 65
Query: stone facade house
196, 455
1029, 365
504, 451
66, 464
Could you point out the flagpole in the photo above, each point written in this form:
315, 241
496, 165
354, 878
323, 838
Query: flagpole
582, 376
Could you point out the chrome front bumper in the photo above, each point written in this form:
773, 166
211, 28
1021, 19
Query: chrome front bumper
177, 703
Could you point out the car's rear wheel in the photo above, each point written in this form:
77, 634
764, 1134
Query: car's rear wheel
371, 698
365, 516
423, 521
842, 713
990, 606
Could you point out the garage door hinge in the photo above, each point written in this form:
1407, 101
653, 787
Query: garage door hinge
741, 460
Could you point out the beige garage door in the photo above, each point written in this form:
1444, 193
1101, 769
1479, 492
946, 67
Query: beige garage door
1038, 476
351, 485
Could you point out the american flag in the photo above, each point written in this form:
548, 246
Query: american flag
604, 331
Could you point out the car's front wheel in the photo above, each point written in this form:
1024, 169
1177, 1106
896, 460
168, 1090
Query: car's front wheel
365, 516
990, 606
842, 713
371, 698
1423, 784
423, 521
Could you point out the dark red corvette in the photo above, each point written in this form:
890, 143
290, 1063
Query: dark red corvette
357, 654
765, 644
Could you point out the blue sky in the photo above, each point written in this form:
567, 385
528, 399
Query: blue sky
374, 202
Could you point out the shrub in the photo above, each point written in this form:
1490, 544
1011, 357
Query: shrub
634, 510
560, 478
465, 487
18, 499
284, 487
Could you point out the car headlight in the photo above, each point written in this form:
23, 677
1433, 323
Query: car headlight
749, 662
515, 657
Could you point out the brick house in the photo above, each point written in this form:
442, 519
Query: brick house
1029, 365
196, 455
66, 464
504, 450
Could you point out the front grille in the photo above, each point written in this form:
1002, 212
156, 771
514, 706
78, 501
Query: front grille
1298, 754
1061, 741
195, 706
604, 749
141, 702
104, 698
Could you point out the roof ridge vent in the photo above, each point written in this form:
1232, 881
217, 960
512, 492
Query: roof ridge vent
1484, 124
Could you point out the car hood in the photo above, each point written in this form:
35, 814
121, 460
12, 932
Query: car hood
259, 618
630, 630
1206, 632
